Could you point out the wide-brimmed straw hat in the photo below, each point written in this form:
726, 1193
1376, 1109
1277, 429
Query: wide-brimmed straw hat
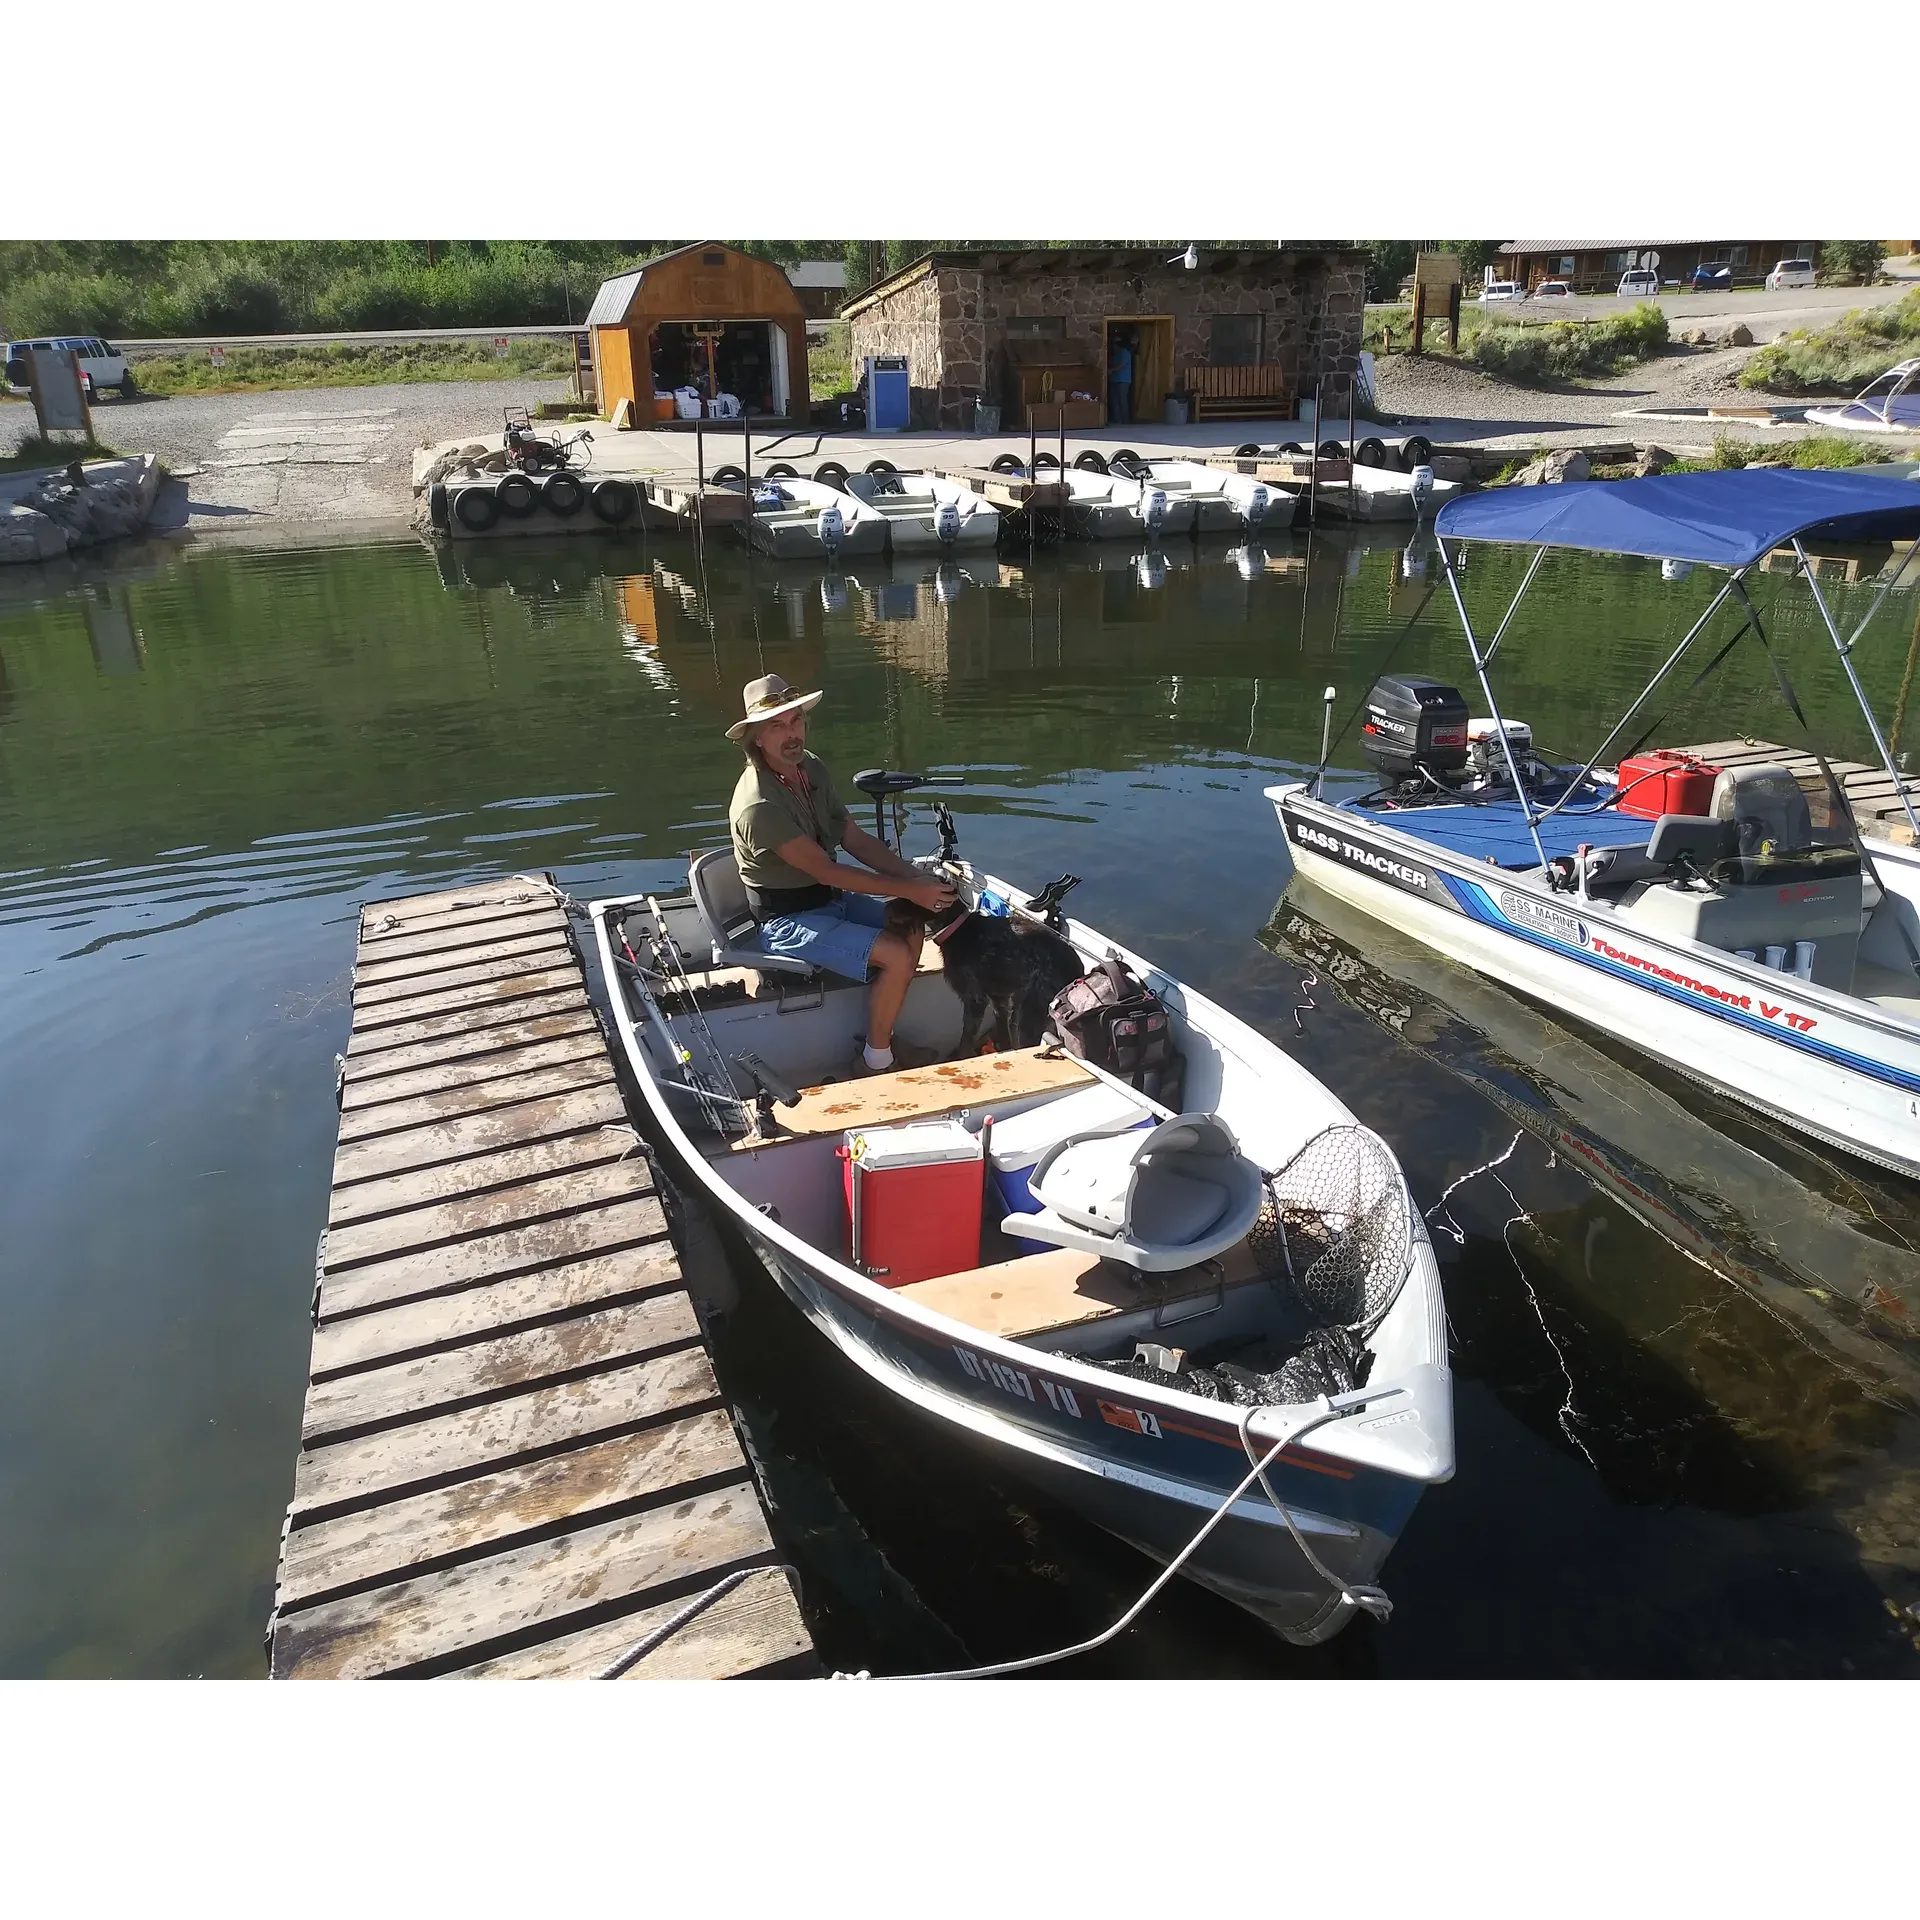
767, 699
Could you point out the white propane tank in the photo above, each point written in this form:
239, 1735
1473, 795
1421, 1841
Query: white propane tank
1422, 480
831, 527
946, 522
1257, 503
1153, 507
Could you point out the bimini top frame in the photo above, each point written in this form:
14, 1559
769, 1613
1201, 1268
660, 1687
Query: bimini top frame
1728, 520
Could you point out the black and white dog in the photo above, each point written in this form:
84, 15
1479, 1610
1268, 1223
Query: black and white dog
1006, 971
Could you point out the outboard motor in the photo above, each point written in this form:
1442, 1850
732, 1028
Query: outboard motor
1250, 561
946, 522
1257, 503
1151, 568
1422, 482
833, 593
1671, 570
832, 528
947, 583
1153, 508
1414, 725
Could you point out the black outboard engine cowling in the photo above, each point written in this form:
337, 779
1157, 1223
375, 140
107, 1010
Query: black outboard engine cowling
1413, 723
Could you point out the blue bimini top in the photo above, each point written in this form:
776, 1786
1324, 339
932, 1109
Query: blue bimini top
1716, 519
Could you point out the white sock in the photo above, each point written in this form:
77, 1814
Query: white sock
878, 1058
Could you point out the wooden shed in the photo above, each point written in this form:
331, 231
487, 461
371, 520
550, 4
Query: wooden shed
707, 320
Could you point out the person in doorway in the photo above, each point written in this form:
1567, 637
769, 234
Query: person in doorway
788, 823
1120, 382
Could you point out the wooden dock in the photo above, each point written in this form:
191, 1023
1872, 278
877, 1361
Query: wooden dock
1871, 793
679, 506
514, 1459
1008, 491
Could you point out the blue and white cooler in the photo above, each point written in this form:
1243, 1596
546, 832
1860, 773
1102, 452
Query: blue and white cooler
1017, 1143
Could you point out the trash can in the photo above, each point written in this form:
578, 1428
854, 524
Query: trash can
986, 419
1175, 411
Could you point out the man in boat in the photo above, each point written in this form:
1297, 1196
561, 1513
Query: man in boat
788, 823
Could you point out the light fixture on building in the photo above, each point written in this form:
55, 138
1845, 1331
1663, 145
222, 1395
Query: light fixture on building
1190, 259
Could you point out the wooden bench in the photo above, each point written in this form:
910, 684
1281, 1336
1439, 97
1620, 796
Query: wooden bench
923, 1093
1045, 1292
1236, 392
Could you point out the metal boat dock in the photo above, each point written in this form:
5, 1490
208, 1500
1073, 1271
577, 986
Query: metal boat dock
514, 1458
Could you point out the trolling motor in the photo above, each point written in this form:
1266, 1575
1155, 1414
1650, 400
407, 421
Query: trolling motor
877, 784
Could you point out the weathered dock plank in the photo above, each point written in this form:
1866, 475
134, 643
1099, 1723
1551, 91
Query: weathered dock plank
515, 1459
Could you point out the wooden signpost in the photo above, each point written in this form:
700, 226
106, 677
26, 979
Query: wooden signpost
59, 394
1436, 279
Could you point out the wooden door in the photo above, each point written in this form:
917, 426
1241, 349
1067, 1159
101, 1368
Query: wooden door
1152, 367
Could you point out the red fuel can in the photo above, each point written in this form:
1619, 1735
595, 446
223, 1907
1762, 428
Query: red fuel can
913, 1195
1666, 782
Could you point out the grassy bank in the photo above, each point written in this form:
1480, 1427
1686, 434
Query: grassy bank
829, 362
1564, 350
1817, 450
1842, 358
263, 369
38, 451
1394, 325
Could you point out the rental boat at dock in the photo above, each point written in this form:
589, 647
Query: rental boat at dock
1026, 1247
1373, 494
1117, 506
926, 512
796, 519
1739, 910
1222, 502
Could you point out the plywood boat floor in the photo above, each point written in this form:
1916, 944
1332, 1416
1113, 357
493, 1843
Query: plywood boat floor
924, 1093
1062, 1288
727, 986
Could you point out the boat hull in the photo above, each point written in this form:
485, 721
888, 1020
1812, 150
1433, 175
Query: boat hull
1815, 1060
1147, 1464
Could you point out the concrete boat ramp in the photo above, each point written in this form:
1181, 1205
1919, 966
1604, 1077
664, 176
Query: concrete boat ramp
515, 1459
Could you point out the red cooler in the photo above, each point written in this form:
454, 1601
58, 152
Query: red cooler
913, 1197
1666, 782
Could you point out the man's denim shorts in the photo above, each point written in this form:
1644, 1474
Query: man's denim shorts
837, 937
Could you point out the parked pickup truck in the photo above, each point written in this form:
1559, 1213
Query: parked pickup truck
101, 363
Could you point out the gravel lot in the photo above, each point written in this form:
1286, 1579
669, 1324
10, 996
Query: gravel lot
329, 454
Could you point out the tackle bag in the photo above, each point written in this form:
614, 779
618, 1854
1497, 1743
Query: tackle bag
1113, 1020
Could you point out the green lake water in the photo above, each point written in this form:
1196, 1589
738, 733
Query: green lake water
1685, 1430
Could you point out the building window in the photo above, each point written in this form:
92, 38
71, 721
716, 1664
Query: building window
1234, 339
1566, 266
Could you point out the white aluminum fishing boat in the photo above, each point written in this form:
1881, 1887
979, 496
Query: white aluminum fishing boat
1761, 935
1117, 506
926, 512
1222, 502
1111, 1327
795, 519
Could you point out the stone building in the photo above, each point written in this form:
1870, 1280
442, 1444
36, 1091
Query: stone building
1036, 331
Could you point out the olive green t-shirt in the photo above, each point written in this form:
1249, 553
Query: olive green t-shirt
766, 813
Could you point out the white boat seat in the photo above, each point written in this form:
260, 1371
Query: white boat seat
1168, 1198
721, 901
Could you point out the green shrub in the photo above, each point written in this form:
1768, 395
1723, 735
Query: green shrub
58, 303
1819, 450
229, 299
1567, 350
1851, 259
1842, 358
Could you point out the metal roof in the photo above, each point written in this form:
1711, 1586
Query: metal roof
610, 304
818, 273
1596, 246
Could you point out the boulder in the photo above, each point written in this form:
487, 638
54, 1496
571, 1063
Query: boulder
1451, 466
1737, 335
1653, 460
1552, 469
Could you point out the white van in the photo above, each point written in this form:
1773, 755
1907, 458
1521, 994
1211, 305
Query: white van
1500, 290
1638, 283
1790, 273
101, 363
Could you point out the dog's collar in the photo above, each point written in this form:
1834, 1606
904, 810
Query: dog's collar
960, 913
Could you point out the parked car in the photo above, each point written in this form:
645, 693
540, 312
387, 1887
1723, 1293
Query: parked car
1711, 279
1500, 290
1638, 283
1790, 273
1553, 290
101, 363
